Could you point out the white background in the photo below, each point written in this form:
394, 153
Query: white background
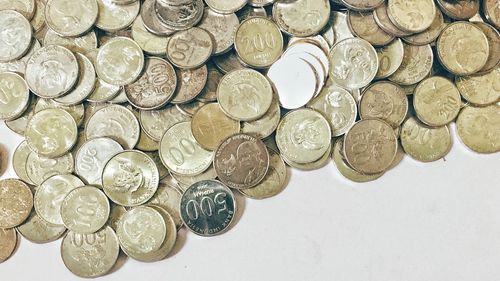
419, 222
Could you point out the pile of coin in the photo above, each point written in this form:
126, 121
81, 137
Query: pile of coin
141, 117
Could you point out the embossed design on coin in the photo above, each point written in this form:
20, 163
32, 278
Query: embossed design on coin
15, 35
76, 111
40, 168
459, 10
190, 48
416, 65
149, 42
429, 35
302, 18
16, 202
71, 18
361, 5
222, 27
481, 90
14, 96
226, 6
267, 124
425, 144
181, 15
411, 15
479, 128
191, 83
345, 169
386, 101
390, 59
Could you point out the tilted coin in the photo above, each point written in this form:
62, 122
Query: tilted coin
190, 48
76, 111
416, 65
493, 37
90, 109
229, 61
386, 101
311, 166
425, 143
191, 83
15, 35
8, 242
267, 124
210, 126
102, 92
19, 162
482, 89
180, 152
16, 202
25, 7
149, 42
81, 44
361, 5
36, 230
38, 20
478, 128
90, 255
302, 17
130, 178
85, 84
152, 21
155, 87
363, 25
411, 15
202, 219
51, 71
40, 168
346, 170
69, 18
156, 122
169, 198
430, 34
209, 92
14, 96
462, 48
436, 101
179, 17
340, 26
384, 22
226, 6
222, 27
459, 10
183, 182
491, 12
113, 17
303, 136
390, 58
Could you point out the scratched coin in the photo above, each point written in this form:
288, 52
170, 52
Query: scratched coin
191, 83
478, 128
113, 17
411, 15
416, 65
15, 97
302, 18
15, 35
386, 101
69, 18
156, 122
8, 242
222, 27
40, 168
17, 202
36, 230
168, 197
85, 84
190, 48
481, 89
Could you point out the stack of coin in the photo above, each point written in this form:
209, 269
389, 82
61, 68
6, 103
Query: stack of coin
141, 117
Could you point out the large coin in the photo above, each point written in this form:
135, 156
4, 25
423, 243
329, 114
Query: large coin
71, 18
15, 35
8, 242
190, 48
479, 128
386, 101
40, 168
17, 202
14, 96
37, 230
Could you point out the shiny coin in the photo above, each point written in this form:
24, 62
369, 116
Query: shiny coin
69, 18
340, 26
90, 255
416, 65
84, 86
191, 83
8, 242
156, 122
149, 42
482, 89
25, 7
19, 162
180, 152
267, 124
390, 58
50, 195
82, 44
260, 3
113, 17
182, 16
491, 12
346, 170
130, 178
361, 5
250, 12
169, 198
493, 37
302, 18
222, 27
459, 10
363, 25
14, 96
431, 34
303, 136
19, 65
36, 230
386, 101
196, 216
424, 143
226, 6
76, 111
190, 48
17, 202
370, 146
436, 101
189, 109
411, 15
40, 168
258, 42
15, 35
384, 22
478, 128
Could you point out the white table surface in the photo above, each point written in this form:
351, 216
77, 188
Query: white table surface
435, 222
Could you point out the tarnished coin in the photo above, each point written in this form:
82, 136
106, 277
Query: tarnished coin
36, 230
40, 168
150, 43
436, 101
384, 22
386, 101
183, 182
493, 37
85, 210
8, 242
370, 146
17, 202
210, 126
482, 89
19, 162
416, 65
303, 136
423, 143
258, 42
180, 152
191, 83
430, 34
70, 18
340, 26
361, 5
226, 6
411, 15
156, 122
130, 178
50, 195
84, 86
90, 255
14, 96
353, 63
363, 25
462, 48
267, 124
491, 11
345, 170
479, 128
82, 44
222, 27
113, 17
76, 111
15, 35
52, 71
25, 7
229, 61
198, 218
116, 122
302, 18
190, 48
168, 197
338, 106
155, 87
181, 16
459, 10
390, 58
119, 68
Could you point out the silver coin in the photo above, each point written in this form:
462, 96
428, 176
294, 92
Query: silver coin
84, 86
15, 97
40, 168
15, 35
156, 122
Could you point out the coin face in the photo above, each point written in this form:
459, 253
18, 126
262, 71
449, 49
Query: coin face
149, 42
386, 101
36, 230
210, 126
459, 10
114, 17
15, 35
482, 89
431, 34
190, 48
69, 18
436, 101
130, 178
180, 152
169, 198
463, 48
169, 242
209, 92
478, 128
156, 122
384, 22
411, 15
85, 84
17, 202
155, 87
258, 42
267, 124
191, 83
14, 96
353, 63
25, 7
8, 242
90, 255
346, 170
19, 65
390, 58
197, 218
181, 15
303, 136
40, 168
19, 125
222, 27
363, 25
302, 18
19, 162
416, 65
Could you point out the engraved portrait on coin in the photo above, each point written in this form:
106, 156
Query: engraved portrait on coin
139, 230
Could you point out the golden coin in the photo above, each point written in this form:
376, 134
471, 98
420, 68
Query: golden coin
384, 22
430, 34
416, 65
493, 37
346, 170
479, 128
302, 18
411, 15
17, 202
71, 18
363, 25
386, 101
390, 58
190, 48
482, 89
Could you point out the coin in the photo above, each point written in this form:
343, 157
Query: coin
491, 12
416, 65
226, 6
361, 5
302, 18
386, 101
258, 42
390, 58
146, 143
156, 122
170, 238
340, 26
19, 125
82, 44
482, 89
195, 213
459, 10
228, 62
113, 17
250, 12
51, 71
162, 170
38, 20
25, 7
436, 101
345, 170
222, 27
115, 215
15, 97
411, 15
183, 182
115, 122
17, 202
363, 25
84, 86
130, 178
182, 16
353, 63
462, 48
155, 87
19, 65
493, 37
209, 92
151, 20
431, 34
321, 162
168, 198
338, 106
76, 111
19, 162
149, 42
69, 18
190, 48
478, 128
384, 22
90, 255
15, 35
317, 40
316, 52
36, 230
267, 124
180, 152
8, 242
40, 168
191, 83
303, 136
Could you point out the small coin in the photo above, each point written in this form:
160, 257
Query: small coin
15, 97
384, 22
340, 26
149, 42
222, 27
40, 168
90, 255
130, 178
17, 202
436, 101
25, 7
361, 5
491, 11
69, 18
302, 18
190, 48
15, 35
198, 219
152, 22
363, 25
183, 182
386, 101
248, 33
113, 17
36, 230
209, 92
156, 122
155, 87
303, 136
226, 6
267, 124
411, 15
315, 165
191, 83
423, 143
431, 34
169, 198
181, 16
8, 242
459, 10
416, 65
180, 152
493, 37
390, 58
482, 89
76, 111
478, 128
229, 61
210, 126
19, 162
